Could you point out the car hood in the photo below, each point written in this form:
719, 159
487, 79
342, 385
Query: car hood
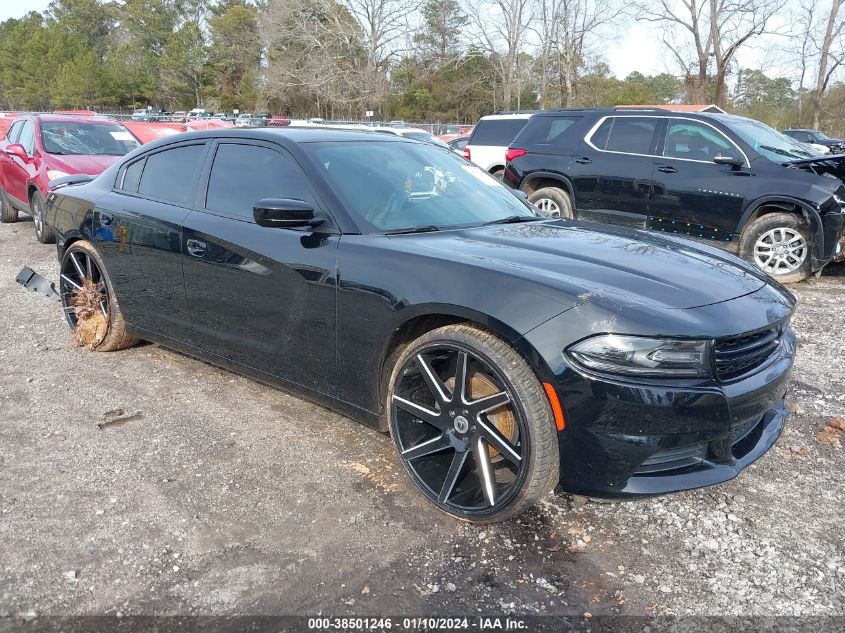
81, 163
601, 264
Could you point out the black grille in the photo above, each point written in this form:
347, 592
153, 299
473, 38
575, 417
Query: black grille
739, 355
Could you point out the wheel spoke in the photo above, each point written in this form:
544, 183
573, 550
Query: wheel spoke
490, 433
71, 281
452, 476
426, 448
88, 270
438, 389
425, 414
459, 388
104, 308
493, 401
485, 472
78, 267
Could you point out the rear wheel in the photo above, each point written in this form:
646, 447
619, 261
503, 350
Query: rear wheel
779, 244
8, 213
472, 424
89, 302
552, 202
43, 231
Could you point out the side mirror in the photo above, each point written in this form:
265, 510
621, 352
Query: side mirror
733, 161
285, 213
16, 149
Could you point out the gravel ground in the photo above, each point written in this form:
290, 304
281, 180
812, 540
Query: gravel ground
223, 496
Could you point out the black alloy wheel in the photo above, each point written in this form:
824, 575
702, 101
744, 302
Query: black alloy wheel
463, 434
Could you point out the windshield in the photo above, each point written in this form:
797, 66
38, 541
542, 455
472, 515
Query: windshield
73, 137
820, 135
391, 186
773, 145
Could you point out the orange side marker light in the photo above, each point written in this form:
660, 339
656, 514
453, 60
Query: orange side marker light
560, 423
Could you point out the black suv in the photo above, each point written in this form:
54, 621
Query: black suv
723, 179
836, 145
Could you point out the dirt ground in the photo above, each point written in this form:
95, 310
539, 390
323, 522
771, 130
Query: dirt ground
223, 496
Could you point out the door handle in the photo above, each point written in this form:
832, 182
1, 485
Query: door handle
583, 160
106, 219
196, 248
667, 169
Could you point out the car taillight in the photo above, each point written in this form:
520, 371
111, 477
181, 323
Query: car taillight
514, 153
467, 155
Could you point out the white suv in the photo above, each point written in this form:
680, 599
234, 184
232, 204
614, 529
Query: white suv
490, 139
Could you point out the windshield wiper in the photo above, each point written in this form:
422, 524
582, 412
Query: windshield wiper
515, 219
427, 228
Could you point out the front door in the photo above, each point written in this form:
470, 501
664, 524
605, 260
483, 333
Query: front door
693, 195
19, 171
612, 170
263, 297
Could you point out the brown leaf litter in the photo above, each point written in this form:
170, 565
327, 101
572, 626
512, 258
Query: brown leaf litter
91, 323
830, 433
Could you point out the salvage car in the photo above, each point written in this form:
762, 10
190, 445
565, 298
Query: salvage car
504, 352
726, 180
39, 148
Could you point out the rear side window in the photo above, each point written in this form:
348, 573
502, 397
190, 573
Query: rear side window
498, 132
629, 135
545, 130
170, 175
14, 132
244, 174
132, 176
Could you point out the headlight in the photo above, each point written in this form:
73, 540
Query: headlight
640, 356
52, 174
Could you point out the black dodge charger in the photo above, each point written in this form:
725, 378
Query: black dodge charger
401, 285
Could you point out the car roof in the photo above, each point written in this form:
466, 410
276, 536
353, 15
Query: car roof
509, 115
62, 118
292, 134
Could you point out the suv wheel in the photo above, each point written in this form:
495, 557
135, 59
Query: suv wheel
8, 213
472, 424
552, 202
43, 231
779, 244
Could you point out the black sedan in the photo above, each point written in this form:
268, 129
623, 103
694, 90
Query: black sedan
397, 283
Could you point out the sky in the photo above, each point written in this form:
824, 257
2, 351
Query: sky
640, 49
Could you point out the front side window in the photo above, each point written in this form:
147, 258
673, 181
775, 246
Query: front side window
692, 140
170, 175
92, 139
394, 186
244, 174
27, 137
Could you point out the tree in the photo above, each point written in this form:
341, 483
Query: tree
500, 27
235, 55
442, 29
696, 31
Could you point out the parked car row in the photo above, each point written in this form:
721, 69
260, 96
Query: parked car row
506, 352
728, 181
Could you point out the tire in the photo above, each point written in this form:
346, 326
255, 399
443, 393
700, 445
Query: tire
498, 173
43, 231
780, 245
114, 336
553, 202
494, 479
8, 213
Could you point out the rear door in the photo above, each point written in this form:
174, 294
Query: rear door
138, 229
612, 169
693, 195
263, 297
19, 172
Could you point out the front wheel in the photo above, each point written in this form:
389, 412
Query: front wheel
779, 244
43, 231
472, 424
89, 302
552, 202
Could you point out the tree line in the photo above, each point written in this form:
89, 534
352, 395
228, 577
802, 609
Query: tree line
435, 60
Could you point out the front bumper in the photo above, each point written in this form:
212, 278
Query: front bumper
624, 440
